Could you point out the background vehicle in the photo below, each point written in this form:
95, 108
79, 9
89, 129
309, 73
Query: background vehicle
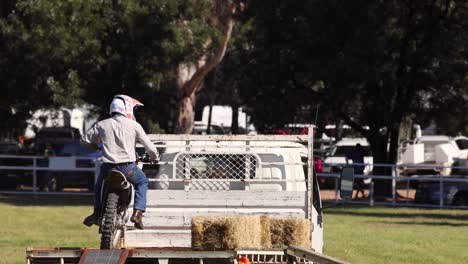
10, 148
11, 179
56, 136
77, 156
438, 152
454, 193
202, 128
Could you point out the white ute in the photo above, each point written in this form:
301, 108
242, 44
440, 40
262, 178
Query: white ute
210, 175
225, 175
435, 153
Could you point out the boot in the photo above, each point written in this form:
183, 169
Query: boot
137, 218
91, 219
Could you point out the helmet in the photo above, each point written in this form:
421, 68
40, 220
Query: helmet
124, 105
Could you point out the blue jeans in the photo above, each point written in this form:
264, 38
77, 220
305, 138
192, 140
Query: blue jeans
134, 175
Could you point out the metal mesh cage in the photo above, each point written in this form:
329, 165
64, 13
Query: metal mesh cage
216, 166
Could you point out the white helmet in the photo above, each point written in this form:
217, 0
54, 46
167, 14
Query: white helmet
124, 105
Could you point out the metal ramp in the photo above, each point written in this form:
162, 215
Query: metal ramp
109, 256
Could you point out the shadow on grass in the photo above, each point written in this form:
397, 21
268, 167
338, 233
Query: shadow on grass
50, 200
428, 223
441, 214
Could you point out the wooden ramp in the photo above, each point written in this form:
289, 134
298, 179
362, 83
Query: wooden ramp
110, 256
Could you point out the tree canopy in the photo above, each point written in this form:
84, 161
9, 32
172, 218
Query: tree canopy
368, 63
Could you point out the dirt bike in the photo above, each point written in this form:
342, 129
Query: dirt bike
116, 196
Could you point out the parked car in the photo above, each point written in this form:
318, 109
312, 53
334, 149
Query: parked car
75, 179
201, 129
10, 148
56, 136
454, 193
11, 179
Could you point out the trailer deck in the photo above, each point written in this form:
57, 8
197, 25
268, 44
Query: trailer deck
69, 255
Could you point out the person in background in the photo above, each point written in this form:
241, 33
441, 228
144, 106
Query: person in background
118, 135
357, 156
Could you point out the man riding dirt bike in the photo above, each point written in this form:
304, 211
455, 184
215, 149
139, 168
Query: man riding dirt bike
118, 135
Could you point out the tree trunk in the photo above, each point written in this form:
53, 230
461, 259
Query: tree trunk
185, 115
235, 119
382, 187
210, 115
188, 88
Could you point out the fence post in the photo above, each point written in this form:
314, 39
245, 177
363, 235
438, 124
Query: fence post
34, 174
336, 189
394, 174
441, 190
407, 188
371, 194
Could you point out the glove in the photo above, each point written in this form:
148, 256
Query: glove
155, 160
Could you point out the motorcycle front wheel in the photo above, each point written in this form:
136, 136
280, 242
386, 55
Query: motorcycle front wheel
109, 227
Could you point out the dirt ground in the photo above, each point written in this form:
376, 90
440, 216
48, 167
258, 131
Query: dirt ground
402, 195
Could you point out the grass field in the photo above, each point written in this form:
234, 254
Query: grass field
354, 234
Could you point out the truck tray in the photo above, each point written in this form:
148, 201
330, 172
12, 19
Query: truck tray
65, 255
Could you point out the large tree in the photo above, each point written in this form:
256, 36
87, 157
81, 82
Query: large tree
57, 52
191, 76
371, 63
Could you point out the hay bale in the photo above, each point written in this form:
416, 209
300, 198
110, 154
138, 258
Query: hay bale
285, 232
243, 232
277, 233
214, 231
265, 236
230, 232
248, 232
208, 233
197, 233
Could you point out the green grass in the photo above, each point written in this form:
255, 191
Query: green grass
46, 221
396, 235
354, 234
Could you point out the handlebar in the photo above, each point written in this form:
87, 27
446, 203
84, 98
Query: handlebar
145, 158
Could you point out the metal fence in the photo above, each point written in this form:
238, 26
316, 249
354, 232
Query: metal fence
423, 190
30, 174
52, 175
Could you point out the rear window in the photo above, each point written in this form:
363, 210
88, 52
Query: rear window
75, 149
215, 166
462, 143
432, 144
55, 134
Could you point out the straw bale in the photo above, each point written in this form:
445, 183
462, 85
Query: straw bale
277, 233
230, 232
208, 233
197, 233
243, 232
285, 232
248, 232
265, 223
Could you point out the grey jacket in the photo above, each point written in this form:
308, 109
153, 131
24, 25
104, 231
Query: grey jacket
118, 136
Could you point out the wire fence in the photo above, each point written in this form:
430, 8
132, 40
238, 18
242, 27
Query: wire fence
47, 175
393, 187
429, 188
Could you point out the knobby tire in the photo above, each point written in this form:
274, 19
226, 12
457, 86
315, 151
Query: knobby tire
109, 227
